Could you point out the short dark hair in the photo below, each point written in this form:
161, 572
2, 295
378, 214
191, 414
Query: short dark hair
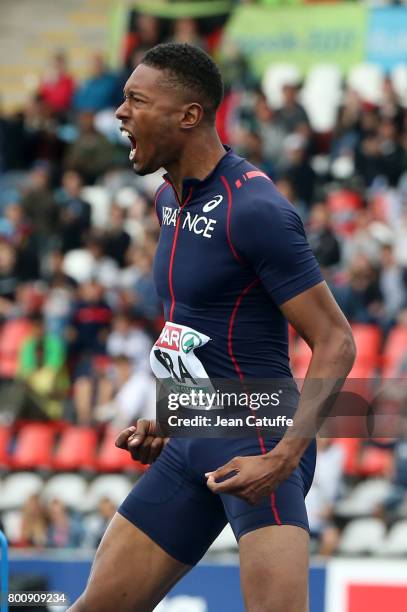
191, 68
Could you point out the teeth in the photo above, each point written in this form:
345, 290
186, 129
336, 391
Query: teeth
132, 154
126, 134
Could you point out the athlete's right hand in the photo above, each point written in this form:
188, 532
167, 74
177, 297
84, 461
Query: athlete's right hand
142, 441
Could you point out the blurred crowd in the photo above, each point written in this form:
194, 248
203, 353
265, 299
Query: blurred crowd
78, 307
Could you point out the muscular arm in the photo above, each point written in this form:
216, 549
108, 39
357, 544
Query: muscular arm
318, 319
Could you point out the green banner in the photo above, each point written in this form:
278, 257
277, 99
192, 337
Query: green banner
179, 8
303, 35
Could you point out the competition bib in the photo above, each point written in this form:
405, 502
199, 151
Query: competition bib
172, 356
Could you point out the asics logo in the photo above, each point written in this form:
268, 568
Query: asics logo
212, 204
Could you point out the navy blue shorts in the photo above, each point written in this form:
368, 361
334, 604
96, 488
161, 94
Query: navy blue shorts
172, 504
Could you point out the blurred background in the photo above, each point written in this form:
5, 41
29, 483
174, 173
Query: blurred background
316, 96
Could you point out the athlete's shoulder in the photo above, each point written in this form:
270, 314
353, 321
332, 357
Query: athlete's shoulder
253, 195
247, 183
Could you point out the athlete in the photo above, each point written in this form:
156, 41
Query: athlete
232, 268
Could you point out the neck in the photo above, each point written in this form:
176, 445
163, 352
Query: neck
197, 159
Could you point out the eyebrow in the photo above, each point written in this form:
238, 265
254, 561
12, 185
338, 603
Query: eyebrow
134, 91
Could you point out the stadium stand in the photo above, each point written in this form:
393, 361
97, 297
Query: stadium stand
363, 536
335, 145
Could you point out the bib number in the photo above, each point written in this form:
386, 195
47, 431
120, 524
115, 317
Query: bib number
172, 356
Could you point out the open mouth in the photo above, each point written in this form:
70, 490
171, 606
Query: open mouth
133, 143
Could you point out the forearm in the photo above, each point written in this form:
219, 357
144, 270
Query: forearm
332, 360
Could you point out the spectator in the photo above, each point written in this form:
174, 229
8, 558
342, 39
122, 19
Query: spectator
31, 527
104, 268
291, 116
9, 277
325, 491
393, 155
116, 239
360, 297
59, 298
40, 208
21, 235
132, 395
392, 282
90, 321
41, 126
397, 497
186, 30
298, 167
15, 143
144, 34
346, 133
97, 523
88, 332
286, 187
75, 212
251, 147
273, 133
141, 291
57, 86
64, 529
91, 154
321, 237
128, 338
42, 367
97, 92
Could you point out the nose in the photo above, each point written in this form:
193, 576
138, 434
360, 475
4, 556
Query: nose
122, 111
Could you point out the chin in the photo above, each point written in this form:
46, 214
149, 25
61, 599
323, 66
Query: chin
144, 170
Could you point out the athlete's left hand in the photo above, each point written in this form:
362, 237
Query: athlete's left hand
252, 478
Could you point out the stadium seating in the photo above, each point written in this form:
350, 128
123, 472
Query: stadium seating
17, 488
399, 80
114, 486
364, 498
275, 78
5, 439
76, 449
351, 447
395, 544
113, 459
99, 200
321, 96
69, 488
225, 542
12, 524
368, 340
34, 446
301, 358
362, 536
78, 264
395, 350
12, 335
375, 461
367, 81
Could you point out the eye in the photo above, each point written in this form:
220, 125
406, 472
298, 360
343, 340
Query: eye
133, 98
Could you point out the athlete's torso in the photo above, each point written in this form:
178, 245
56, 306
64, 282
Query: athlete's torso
224, 265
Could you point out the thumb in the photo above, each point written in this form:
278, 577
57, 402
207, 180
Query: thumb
140, 433
123, 437
226, 471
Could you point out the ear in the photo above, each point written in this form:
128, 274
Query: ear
192, 116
